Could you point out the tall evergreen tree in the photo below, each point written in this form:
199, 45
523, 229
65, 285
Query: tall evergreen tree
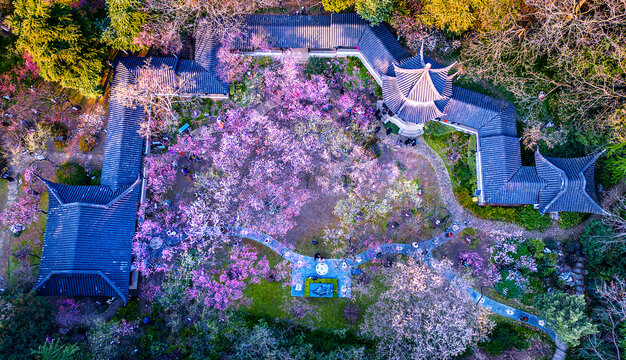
125, 23
60, 43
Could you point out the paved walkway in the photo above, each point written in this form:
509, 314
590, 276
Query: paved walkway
340, 269
461, 214
303, 267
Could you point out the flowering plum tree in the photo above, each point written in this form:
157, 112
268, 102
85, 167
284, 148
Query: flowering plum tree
472, 260
423, 316
253, 168
157, 90
68, 312
25, 209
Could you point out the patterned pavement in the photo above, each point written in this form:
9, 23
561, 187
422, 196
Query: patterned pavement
340, 269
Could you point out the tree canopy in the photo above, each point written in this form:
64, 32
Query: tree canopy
423, 316
566, 315
25, 320
125, 22
59, 41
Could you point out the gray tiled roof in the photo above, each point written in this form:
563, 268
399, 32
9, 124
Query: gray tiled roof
381, 49
198, 81
376, 43
87, 242
287, 31
300, 31
418, 90
86, 194
413, 111
522, 188
346, 30
86, 250
476, 111
500, 160
570, 185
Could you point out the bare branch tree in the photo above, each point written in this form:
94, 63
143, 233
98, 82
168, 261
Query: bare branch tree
606, 345
571, 50
169, 18
155, 89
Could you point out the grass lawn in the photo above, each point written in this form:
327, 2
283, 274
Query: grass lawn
33, 236
269, 298
305, 246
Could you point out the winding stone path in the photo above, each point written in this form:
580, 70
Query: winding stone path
462, 215
340, 269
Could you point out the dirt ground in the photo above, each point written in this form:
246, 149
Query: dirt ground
317, 215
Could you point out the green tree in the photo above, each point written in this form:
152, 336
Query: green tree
337, 5
125, 23
504, 337
55, 351
566, 315
375, 11
605, 258
25, 320
60, 43
459, 16
616, 161
454, 15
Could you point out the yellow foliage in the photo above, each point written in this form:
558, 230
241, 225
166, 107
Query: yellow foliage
337, 5
459, 16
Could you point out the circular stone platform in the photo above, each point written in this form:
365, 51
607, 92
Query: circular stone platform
321, 269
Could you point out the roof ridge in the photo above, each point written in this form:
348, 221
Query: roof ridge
85, 272
497, 113
52, 187
564, 181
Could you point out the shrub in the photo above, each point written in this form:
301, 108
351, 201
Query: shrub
72, 174
484, 212
508, 287
87, 143
352, 313
59, 132
531, 219
394, 128
504, 337
95, 177
129, 312
570, 219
